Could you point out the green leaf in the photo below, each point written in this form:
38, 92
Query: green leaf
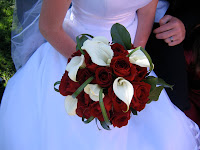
103, 110
80, 39
104, 125
88, 120
80, 89
157, 85
121, 36
79, 44
138, 48
87, 35
97, 124
163, 83
133, 111
154, 95
58, 82
153, 81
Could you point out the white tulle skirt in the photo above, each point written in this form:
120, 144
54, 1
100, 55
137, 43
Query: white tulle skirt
33, 117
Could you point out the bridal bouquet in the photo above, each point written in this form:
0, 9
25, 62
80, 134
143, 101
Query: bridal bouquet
108, 82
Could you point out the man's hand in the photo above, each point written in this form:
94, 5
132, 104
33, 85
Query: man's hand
171, 30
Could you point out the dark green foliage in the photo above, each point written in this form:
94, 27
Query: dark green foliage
7, 68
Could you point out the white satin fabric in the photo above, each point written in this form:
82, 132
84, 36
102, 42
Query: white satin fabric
97, 17
32, 114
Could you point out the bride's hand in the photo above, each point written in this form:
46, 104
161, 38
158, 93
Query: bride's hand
50, 25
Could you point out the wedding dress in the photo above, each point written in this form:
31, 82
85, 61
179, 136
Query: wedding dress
32, 114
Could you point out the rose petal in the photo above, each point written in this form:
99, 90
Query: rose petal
139, 58
71, 105
93, 91
100, 53
123, 89
73, 66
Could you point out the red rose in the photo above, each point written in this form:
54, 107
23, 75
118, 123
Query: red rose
67, 86
96, 109
141, 73
120, 119
103, 76
83, 110
141, 91
89, 64
83, 106
118, 50
69, 60
118, 105
135, 104
77, 53
141, 94
107, 102
83, 75
123, 68
132, 46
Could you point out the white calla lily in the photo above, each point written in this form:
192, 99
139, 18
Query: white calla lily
73, 66
123, 89
139, 58
71, 105
101, 39
99, 50
93, 91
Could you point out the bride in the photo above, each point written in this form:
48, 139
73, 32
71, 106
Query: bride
32, 114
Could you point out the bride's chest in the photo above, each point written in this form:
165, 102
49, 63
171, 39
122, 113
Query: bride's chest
104, 7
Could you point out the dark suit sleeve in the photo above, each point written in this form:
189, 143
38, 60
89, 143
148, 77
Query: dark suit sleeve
169, 64
170, 61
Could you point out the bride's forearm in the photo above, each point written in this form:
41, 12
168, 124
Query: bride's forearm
146, 17
60, 41
50, 24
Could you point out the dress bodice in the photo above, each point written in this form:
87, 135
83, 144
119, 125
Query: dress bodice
102, 14
107, 9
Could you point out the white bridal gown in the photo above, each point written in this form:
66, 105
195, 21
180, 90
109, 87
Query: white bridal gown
32, 114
